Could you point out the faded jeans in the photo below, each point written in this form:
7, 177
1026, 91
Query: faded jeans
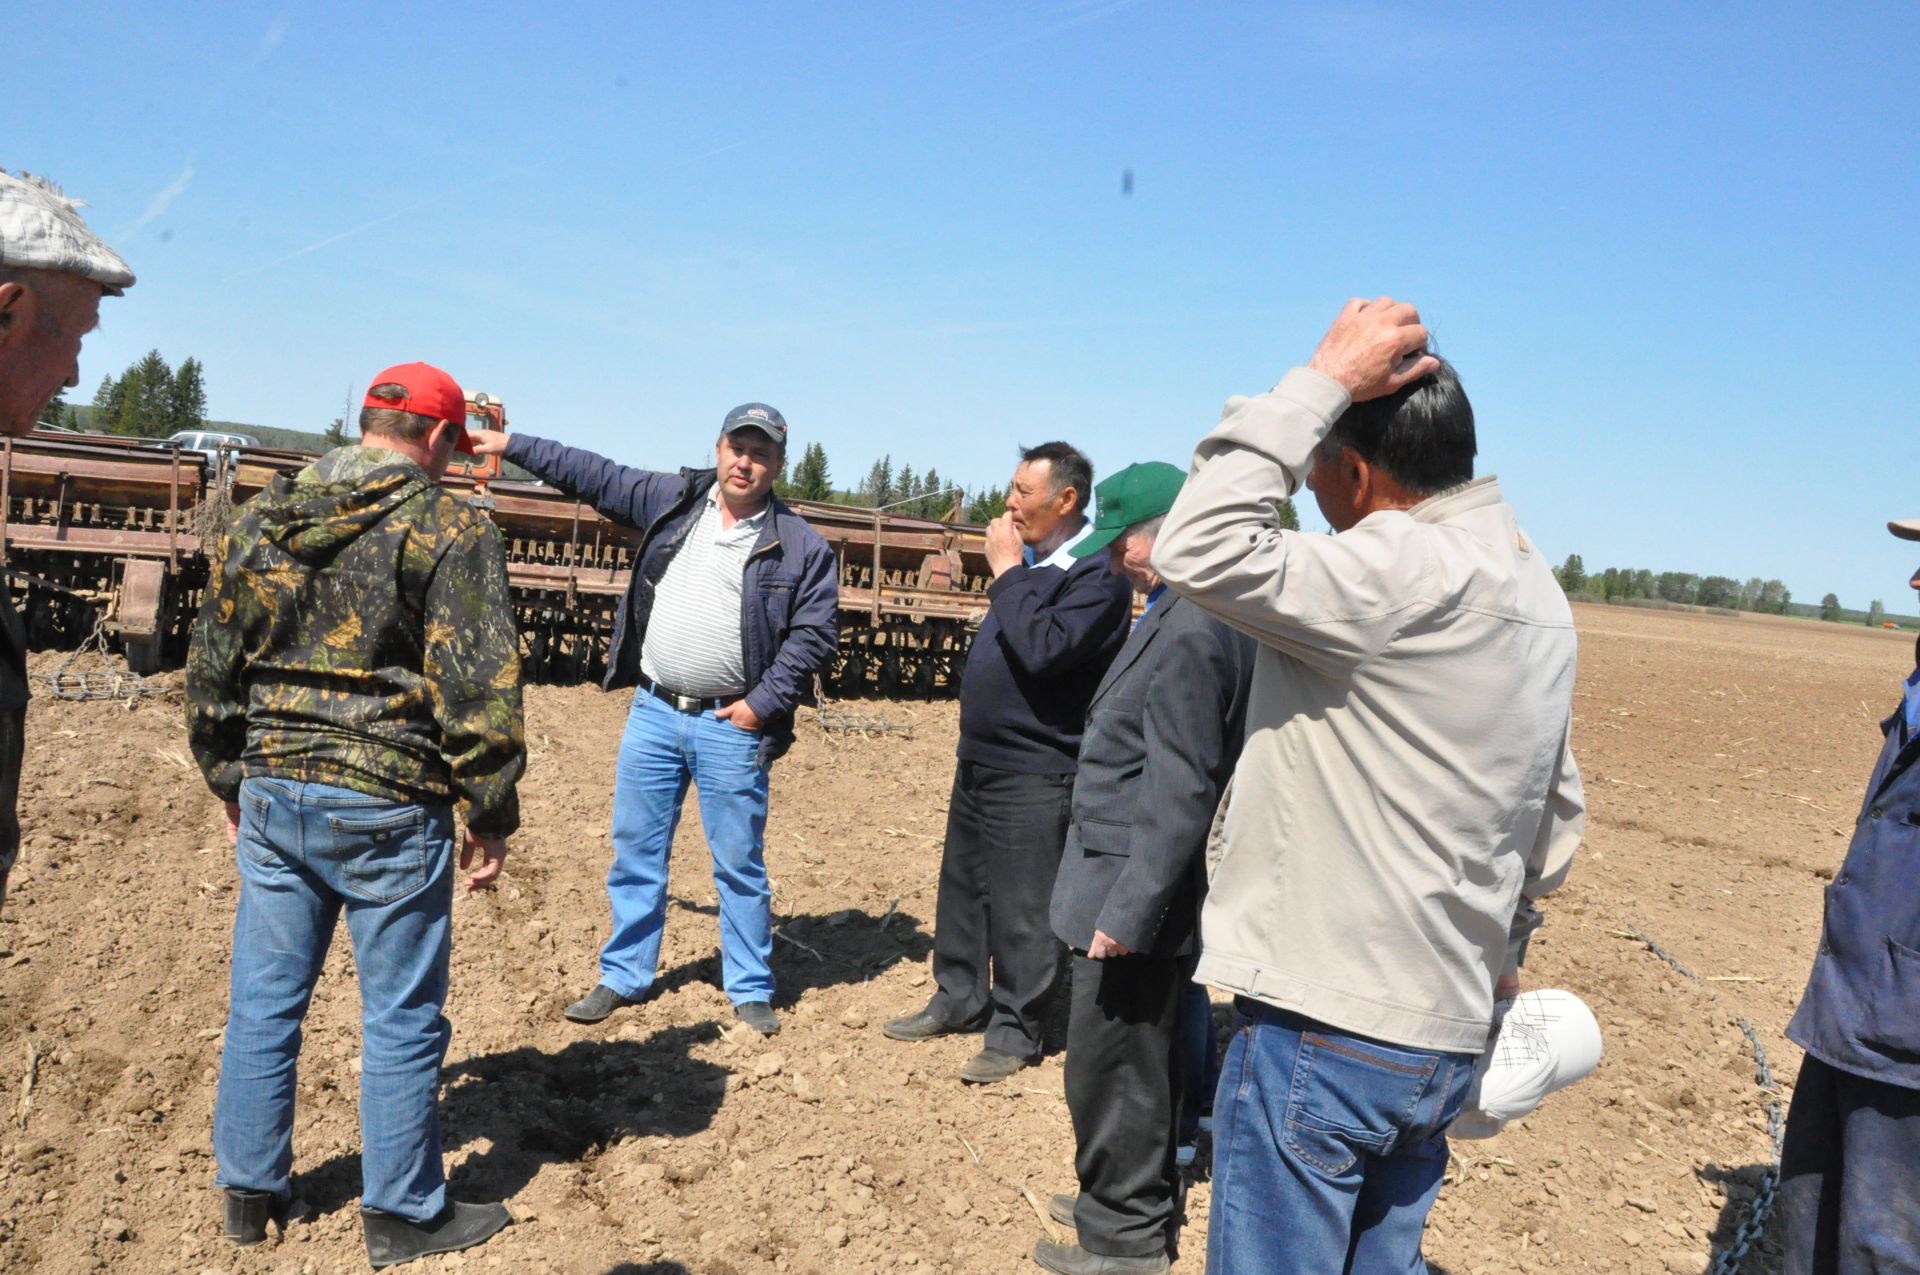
1328, 1148
663, 751
306, 852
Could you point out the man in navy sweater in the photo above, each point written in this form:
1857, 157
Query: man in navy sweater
1850, 1169
1054, 625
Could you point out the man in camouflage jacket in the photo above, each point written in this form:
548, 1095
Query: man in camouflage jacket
354, 675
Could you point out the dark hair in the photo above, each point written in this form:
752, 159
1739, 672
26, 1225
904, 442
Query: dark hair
1421, 435
1067, 467
393, 422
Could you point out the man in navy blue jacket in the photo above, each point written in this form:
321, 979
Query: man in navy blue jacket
732, 609
1850, 1169
1054, 624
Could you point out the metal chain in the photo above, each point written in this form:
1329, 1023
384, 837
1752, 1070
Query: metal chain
69, 683
835, 720
1754, 1223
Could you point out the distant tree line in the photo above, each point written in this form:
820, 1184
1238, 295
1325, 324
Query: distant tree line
1766, 597
149, 400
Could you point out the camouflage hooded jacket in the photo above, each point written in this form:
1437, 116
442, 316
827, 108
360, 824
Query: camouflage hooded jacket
357, 632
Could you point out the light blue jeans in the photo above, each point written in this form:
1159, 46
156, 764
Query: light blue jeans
662, 751
306, 852
1328, 1149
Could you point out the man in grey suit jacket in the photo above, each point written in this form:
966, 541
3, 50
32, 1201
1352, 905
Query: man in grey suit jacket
1161, 738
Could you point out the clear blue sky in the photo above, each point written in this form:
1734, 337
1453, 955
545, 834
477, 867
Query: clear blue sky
1672, 249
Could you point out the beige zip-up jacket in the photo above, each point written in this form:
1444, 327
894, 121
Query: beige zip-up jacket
1406, 791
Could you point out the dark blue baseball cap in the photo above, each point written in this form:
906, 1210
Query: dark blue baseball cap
757, 416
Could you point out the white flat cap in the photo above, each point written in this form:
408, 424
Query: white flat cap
1905, 528
41, 229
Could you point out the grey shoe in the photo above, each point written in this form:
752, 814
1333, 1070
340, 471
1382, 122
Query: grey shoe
758, 1015
392, 1240
597, 1004
1071, 1259
990, 1065
923, 1025
1060, 1208
247, 1214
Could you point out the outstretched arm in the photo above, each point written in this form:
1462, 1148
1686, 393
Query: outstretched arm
620, 492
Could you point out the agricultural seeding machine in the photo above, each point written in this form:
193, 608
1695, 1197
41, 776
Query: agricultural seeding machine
107, 536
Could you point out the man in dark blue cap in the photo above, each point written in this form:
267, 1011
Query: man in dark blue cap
733, 607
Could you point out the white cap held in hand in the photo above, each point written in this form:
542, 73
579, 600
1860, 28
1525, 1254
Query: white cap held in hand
1542, 1041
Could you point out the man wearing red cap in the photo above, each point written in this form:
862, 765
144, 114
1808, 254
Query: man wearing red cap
354, 676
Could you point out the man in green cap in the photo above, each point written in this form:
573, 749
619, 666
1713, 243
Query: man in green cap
1162, 734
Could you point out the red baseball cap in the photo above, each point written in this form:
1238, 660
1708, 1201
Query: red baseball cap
430, 392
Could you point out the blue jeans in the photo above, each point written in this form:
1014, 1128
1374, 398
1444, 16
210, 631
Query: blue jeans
662, 751
307, 851
1199, 1057
1328, 1148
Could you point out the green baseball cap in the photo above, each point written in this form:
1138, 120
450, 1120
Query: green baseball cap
1135, 494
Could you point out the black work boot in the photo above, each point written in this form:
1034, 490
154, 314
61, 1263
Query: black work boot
392, 1240
247, 1215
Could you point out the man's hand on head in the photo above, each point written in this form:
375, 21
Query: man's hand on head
1374, 348
488, 442
1005, 549
493, 854
739, 714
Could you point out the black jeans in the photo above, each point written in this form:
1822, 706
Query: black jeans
1850, 1176
1123, 1083
1005, 834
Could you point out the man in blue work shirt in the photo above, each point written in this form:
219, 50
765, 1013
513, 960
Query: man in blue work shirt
1850, 1168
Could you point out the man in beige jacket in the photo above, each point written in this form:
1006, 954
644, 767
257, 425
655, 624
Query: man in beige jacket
1404, 796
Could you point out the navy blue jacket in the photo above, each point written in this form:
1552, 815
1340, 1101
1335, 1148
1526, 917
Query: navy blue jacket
789, 608
1861, 1011
1032, 669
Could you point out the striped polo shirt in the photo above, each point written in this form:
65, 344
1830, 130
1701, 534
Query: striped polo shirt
693, 641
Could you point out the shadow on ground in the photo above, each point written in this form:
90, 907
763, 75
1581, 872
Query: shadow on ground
818, 950
536, 1108
1741, 1184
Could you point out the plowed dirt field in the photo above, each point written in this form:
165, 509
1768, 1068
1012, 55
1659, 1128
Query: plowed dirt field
1723, 758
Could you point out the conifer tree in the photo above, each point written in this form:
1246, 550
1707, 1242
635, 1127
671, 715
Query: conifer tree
146, 398
187, 398
878, 488
811, 480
